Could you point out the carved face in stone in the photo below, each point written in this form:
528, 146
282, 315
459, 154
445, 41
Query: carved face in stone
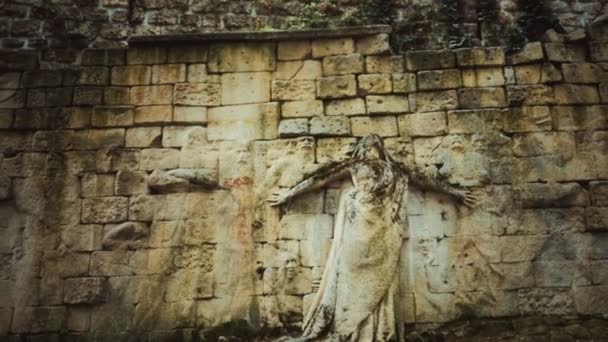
290, 265
454, 143
370, 147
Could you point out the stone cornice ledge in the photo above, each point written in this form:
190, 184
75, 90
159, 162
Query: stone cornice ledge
256, 36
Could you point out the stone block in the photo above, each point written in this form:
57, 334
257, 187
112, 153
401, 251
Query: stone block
78, 319
88, 96
104, 57
5, 187
240, 57
294, 50
373, 45
104, 209
599, 270
334, 149
378, 104
384, 64
527, 119
384, 126
554, 273
576, 94
159, 158
306, 227
198, 94
565, 53
530, 95
553, 195
293, 127
168, 73
143, 136
536, 144
117, 95
342, 65
597, 219
375, 84
147, 55
6, 118
422, 124
584, 73
433, 101
599, 193
330, 47
430, 59
591, 300
131, 75
92, 139
599, 51
12, 99
520, 248
10, 80
480, 56
293, 90
474, 121
41, 319
85, 290
243, 122
305, 108
131, 182
110, 321
190, 114
337, 87
528, 74
515, 276
152, 95
330, 126
177, 136
94, 76
531, 52
97, 185
404, 83
82, 238
242, 88
439, 79
187, 54
153, 114
197, 73
115, 116
483, 77
482, 97
41, 78
346, 107
578, 118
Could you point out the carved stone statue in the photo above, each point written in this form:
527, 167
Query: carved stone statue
358, 296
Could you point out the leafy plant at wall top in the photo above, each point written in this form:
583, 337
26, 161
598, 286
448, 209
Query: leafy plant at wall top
450, 10
537, 17
375, 12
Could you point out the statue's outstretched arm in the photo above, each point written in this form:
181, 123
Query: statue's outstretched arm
428, 181
323, 176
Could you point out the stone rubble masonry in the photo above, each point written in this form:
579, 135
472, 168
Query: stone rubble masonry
129, 184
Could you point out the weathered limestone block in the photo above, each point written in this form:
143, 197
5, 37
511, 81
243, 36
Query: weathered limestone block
334, 149
330, 47
480, 56
6, 118
431, 59
306, 227
584, 73
373, 45
377, 104
422, 124
187, 54
112, 320
82, 96
188, 114
305, 108
337, 87
599, 51
10, 80
179, 180
38, 319
546, 221
159, 158
131, 75
23, 165
576, 94
545, 301
177, 136
530, 95
12, 99
197, 73
553, 195
591, 299
239, 57
142, 136
434, 101
299, 70
117, 95
375, 84
189, 284
313, 253
473, 121
147, 55
550, 73
198, 94
346, 107
168, 73
330, 126
554, 273
576, 118
310, 203
404, 83
243, 122
241, 88
104, 209
531, 52
527, 119
5, 187
152, 95
384, 126
439, 79
528, 74
294, 50
293, 127
342, 64
384, 64
599, 193
536, 144
483, 77
85, 290
293, 90
130, 182
112, 116
96, 185
565, 53
520, 248
82, 238
482, 97
93, 76
597, 219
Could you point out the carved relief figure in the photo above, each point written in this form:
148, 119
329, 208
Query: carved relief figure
358, 296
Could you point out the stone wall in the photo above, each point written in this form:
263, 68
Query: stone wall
133, 188
59, 30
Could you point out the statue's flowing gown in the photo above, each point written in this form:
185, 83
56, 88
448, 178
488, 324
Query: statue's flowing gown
358, 295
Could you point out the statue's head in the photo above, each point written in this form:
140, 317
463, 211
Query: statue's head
290, 264
370, 147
